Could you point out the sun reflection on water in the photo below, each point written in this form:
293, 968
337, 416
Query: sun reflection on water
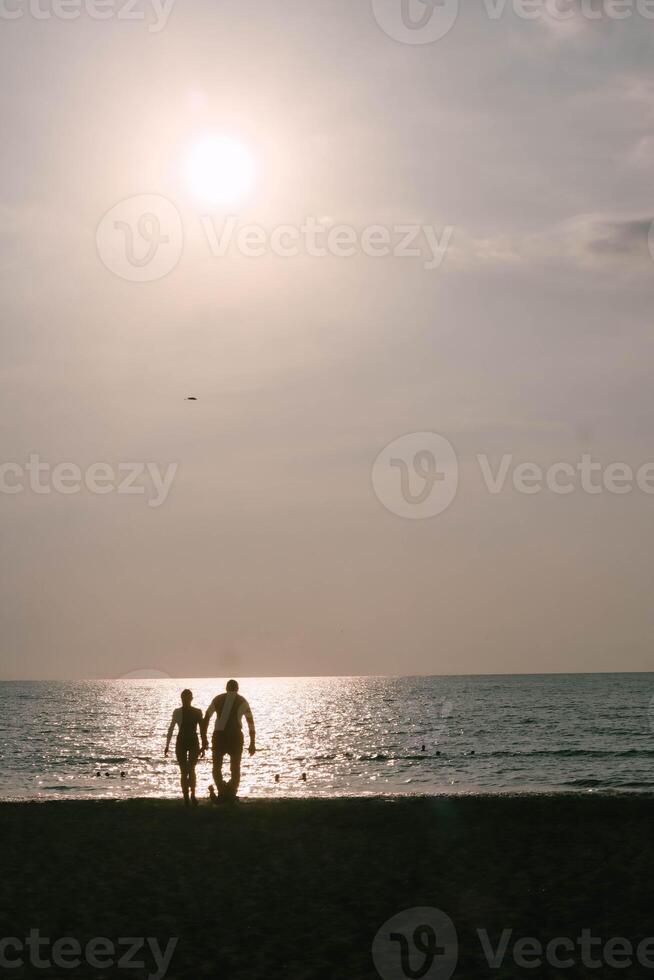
350, 736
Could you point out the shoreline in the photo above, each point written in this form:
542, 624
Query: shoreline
590, 793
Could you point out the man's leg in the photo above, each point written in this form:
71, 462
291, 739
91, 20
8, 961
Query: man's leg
218, 756
235, 757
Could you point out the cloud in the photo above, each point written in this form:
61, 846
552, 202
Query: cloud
569, 20
597, 238
586, 240
619, 238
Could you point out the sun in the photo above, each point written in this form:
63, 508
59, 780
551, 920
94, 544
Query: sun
219, 171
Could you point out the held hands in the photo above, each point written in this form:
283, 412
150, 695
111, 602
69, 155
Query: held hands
166, 750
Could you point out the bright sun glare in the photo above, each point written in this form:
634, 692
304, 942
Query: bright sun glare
219, 171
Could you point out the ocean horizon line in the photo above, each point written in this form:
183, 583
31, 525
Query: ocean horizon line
280, 677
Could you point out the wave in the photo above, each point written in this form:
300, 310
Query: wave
504, 754
381, 757
573, 753
588, 783
61, 789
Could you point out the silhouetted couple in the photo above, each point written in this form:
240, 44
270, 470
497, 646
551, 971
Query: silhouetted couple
229, 708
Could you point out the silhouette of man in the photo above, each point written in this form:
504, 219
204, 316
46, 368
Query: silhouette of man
230, 709
187, 746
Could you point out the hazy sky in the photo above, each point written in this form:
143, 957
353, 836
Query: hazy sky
273, 554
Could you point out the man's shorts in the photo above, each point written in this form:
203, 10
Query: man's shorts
224, 743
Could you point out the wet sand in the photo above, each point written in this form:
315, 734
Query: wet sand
298, 889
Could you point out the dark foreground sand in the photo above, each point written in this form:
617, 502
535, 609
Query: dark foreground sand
298, 889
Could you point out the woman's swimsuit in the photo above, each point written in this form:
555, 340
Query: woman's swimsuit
187, 746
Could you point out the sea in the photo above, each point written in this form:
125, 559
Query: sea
338, 736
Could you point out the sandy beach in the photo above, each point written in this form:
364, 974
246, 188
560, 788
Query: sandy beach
299, 889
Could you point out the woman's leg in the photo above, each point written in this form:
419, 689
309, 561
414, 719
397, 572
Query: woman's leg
182, 754
193, 756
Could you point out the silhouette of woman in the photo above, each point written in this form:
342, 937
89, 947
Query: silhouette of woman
187, 747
